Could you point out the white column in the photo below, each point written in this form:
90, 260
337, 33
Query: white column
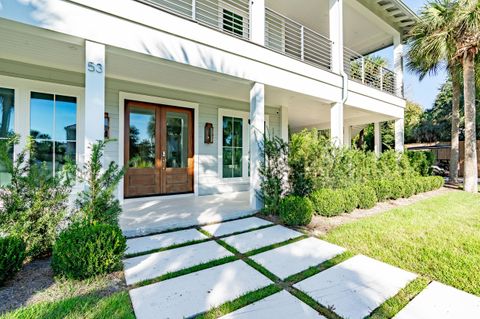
336, 34
94, 94
399, 135
347, 136
336, 123
398, 63
377, 139
257, 120
284, 116
257, 21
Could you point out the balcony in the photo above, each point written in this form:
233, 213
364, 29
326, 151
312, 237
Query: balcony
369, 71
283, 35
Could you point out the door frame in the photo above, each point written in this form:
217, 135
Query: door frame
123, 96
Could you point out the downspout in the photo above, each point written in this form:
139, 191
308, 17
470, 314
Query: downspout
344, 86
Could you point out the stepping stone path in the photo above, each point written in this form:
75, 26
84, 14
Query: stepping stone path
261, 238
148, 243
192, 294
442, 302
281, 305
355, 287
154, 265
235, 226
297, 257
351, 289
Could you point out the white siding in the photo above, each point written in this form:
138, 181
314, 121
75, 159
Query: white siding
209, 181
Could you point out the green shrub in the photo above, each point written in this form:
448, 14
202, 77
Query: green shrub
296, 210
433, 182
408, 187
97, 203
382, 189
274, 172
328, 202
12, 255
35, 201
87, 250
350, 199
422, 161
367, 198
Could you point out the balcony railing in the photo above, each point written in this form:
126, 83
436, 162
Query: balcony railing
369, 72
293, 39
282, 35
230, 16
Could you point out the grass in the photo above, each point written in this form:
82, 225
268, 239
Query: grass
438, 238
240, 302
393, 305
81, 307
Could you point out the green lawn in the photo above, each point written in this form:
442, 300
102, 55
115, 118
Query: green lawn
83, 307
438, 238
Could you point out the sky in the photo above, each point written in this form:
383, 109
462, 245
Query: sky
423, 92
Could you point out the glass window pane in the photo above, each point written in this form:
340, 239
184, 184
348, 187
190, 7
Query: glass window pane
227, 131
43, 153
227, 162
232, 22
238, 132
6, 159
7, 101
41, 115
237, 162
65, 118
142, 138
64, 151
177, 140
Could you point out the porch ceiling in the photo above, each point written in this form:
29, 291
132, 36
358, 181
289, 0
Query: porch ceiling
366, 30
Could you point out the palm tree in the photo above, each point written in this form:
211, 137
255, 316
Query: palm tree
466, 31
432, 47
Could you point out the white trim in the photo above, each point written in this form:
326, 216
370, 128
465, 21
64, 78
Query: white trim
246, 144
23, 89
157, 100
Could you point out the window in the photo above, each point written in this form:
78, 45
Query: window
53, 126
232, 22
232, 141
7, 102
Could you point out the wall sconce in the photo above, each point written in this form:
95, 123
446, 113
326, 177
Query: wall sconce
208, 133
106, 122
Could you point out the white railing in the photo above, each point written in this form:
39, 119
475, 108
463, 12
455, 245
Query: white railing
367, 71
293, 39
230, 16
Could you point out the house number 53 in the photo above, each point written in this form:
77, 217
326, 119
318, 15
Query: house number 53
92, 67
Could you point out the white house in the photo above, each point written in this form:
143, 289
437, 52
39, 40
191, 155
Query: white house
187, 87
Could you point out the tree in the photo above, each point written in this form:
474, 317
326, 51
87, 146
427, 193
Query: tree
466, 31
432, 46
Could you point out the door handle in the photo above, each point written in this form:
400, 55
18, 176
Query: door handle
164, 160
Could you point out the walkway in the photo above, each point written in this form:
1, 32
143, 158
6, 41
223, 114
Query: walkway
156, 214
270, 271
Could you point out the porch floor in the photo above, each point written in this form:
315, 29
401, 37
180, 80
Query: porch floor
153, 215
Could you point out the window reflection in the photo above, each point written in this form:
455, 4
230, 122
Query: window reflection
7, 102
232, 147
53, 125
142, 138
177, 140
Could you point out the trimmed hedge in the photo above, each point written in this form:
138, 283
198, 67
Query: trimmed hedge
87, 250
12, 255
350, 199
328, 202
296, 210
367, 197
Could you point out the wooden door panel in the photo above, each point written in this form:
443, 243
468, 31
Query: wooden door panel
169, 138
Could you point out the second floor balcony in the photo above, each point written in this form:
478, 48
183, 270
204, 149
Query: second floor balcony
301, 30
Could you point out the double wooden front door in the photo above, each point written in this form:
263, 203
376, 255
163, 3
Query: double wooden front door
158, 149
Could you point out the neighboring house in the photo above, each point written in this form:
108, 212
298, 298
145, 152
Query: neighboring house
166, 73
